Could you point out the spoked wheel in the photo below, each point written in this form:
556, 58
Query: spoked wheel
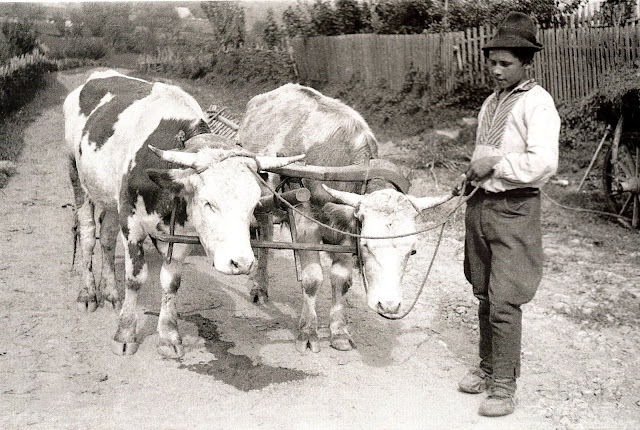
621, 179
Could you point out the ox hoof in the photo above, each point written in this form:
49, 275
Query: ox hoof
260, 297
342, 342
169, 350
305, 341
124, 348
87, 305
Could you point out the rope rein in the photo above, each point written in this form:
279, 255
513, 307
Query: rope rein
442, 225
593, 211
356, 235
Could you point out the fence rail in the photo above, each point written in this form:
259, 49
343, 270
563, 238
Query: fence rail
568, 66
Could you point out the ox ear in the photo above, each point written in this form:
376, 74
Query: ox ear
341, 217
344, 197
422, 203
174, 180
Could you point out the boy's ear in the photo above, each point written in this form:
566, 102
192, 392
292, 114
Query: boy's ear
173, 180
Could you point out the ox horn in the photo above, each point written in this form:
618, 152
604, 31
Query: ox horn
422, 203
344, 197
186, 159
266, 163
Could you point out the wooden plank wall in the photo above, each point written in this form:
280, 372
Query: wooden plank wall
568, 66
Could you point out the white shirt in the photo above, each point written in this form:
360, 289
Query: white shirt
523, 128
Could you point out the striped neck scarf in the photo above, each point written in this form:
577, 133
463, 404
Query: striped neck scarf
494, 120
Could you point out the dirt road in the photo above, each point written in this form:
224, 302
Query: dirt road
241, 369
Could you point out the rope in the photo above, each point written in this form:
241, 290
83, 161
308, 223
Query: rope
583, 209
426, 276
356, 235
424, 281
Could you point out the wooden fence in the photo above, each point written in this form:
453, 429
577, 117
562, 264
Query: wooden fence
378, 59
568, 67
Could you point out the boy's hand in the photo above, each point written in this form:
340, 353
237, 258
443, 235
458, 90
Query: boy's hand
481, 168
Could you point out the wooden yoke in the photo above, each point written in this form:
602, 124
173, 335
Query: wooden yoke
377, 169
270, 202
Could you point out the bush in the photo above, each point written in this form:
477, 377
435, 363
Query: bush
92, 48
584, 121
252, 65
176, 62
241, 65
20, 79
20, 36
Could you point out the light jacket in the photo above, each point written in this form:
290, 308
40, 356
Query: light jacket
523, 128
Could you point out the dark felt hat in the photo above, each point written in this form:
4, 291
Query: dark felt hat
516, 31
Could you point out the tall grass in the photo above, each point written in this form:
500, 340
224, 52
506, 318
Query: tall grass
20, 78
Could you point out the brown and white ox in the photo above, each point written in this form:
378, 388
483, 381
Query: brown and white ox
294, 119
113, 126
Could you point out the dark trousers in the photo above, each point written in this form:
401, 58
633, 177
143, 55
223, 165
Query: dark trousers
503, 263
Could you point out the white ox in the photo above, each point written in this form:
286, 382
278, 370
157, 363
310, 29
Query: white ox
294, 119
113, 126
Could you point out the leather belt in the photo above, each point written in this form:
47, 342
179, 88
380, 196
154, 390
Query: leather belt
516, 192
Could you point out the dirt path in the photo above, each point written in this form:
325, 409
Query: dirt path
241, 369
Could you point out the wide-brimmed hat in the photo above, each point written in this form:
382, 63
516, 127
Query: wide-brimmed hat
516, 31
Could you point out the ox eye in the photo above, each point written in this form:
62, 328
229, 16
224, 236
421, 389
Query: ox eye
413, 252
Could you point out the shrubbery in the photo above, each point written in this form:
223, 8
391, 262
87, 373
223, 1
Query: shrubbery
252, 65
20, 79
233, 66
176, 62
584, 122
92, 48
20, 38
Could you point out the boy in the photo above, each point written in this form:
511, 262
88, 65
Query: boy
516, 153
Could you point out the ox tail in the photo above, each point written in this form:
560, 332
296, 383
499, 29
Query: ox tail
78, 202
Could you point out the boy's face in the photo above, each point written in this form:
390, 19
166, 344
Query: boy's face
507, 70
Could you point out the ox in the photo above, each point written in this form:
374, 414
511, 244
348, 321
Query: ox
294, 119
113, 126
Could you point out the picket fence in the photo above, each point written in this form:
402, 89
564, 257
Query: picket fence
569, 66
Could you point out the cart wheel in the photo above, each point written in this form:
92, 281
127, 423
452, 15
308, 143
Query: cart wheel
621, 183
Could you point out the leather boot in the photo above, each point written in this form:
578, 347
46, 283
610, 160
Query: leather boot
500, 398
475, 382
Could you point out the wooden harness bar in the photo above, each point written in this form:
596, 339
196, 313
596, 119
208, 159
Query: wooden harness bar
301, 246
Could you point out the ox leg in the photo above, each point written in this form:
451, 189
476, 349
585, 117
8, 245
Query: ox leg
170, 344
311, 282
341, 279
87, 298
136, 273
108, 238
259, 291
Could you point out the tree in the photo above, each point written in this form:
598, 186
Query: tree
407, 16
59, 23
20, 36
617, 12
272, 34
351, 17
23, 10
157, 16
464, 14
227, 20
297, 22
118, 29
323, 19
95, 16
